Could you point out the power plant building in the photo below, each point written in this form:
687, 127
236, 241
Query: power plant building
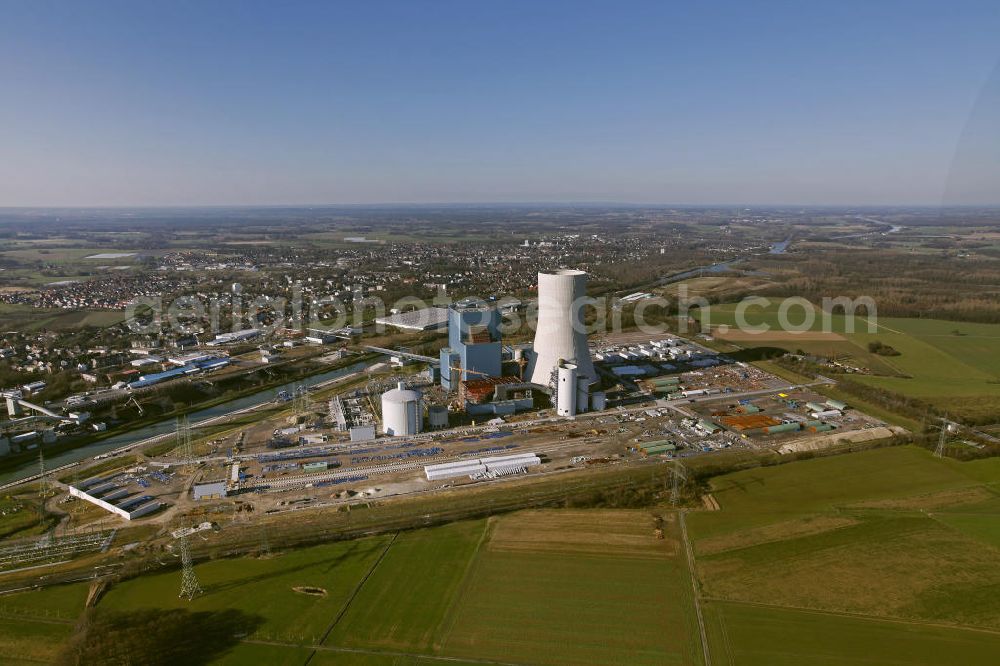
474, 347
402, 411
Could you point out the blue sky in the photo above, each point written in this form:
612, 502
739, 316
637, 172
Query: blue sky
174, 103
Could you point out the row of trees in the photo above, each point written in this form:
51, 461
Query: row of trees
902, 284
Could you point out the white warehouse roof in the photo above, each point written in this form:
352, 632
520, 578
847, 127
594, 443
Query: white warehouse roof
417, 320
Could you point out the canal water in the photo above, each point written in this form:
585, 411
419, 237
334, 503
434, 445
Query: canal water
168, 425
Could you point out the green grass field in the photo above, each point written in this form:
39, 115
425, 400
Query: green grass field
762, 496
605, 599
751, 635
537, 587
26, 318
888, 556
944, 362
403, 604
33, 625
62, 602
264, 588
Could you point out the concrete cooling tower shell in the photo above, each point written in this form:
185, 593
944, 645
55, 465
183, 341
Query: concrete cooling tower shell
556, 338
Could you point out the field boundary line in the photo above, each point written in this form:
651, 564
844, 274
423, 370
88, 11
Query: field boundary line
450, 616
724, 630
856, 616
354, 594
878, 325
387, 653
692, 572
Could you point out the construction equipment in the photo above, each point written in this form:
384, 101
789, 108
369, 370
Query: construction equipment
133, 401
460, 370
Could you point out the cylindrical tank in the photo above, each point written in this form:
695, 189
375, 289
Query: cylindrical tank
402, 411
437, 416
560, 333
566, 390
582, 393
598, 401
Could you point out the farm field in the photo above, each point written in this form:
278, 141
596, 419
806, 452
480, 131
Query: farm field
764, 496
751, 635
28, 319
33, 625
264, 589
536, 587
31, 641
403, 603
853, 559
578, 587
943, 362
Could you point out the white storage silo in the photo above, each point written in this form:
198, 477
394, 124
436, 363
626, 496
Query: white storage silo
402, 411
598, 401
566, 390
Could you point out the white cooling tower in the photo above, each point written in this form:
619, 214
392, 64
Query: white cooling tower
557, 339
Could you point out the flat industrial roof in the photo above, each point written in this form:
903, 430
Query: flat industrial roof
417, 320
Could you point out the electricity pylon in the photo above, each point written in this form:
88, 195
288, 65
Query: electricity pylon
42, 479
677, 474
939, 451
302, 402
43, 486
190, 587
184, 438
265, 543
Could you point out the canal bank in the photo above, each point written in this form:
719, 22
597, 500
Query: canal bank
149, 433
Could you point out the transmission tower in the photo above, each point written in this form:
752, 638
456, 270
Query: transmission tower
301, 405
190, 587
184, 437
677, 474
265, 543
43, 482
43, 486
939, 451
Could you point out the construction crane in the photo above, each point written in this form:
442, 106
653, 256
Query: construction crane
460, 369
